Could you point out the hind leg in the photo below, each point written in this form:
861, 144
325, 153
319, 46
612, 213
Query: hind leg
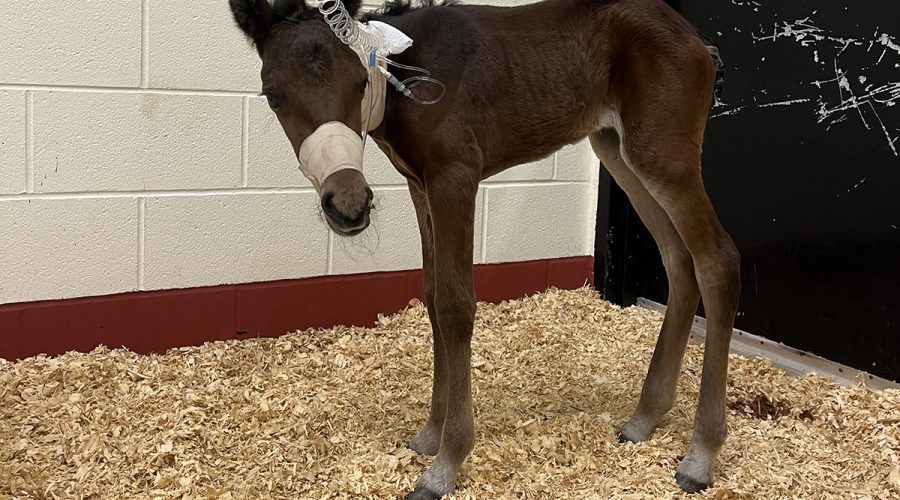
670, 171
664, 100
717, 269
658, 394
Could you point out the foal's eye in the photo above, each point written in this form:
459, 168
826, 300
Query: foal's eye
274, 101
363, 86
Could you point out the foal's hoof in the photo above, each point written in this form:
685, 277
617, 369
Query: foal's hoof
625, 438
689, 485
421, 493
632, 433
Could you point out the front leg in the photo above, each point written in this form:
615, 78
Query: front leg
428, 440
451, 201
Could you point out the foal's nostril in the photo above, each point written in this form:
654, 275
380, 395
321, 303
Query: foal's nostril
369, 196
328, 204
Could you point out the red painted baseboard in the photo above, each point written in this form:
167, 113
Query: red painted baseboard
156, 321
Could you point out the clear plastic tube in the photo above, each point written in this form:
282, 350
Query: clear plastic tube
348, 31
405, 87
345, 27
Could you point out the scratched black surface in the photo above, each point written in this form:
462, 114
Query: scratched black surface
804, 178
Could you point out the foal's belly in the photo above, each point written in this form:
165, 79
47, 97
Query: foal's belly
521, 150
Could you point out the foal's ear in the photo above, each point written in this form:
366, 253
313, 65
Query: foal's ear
253, 16
352, 6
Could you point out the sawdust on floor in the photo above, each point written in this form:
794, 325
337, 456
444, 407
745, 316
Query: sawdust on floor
325, 414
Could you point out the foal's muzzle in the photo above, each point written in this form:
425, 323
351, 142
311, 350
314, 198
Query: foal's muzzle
331, 158
346, 202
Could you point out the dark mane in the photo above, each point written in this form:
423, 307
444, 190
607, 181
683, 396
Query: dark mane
298, 10
292, 11
399, 7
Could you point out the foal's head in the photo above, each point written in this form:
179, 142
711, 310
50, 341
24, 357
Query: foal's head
315, 85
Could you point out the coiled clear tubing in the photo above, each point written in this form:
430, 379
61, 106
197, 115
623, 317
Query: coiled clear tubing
347, 30
345, 27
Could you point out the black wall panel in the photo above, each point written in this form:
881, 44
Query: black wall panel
802, 161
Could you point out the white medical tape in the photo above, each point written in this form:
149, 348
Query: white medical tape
331, 148
373, 99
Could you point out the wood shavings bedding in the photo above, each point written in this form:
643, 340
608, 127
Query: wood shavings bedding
325, 414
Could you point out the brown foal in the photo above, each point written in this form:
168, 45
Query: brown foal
521, 82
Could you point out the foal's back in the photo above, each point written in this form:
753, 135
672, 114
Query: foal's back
547, 71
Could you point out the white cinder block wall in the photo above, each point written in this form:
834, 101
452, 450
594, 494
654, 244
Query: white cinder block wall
135, 155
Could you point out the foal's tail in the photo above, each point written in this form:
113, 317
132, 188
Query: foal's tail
720, 65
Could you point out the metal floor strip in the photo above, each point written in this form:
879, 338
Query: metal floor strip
793, 361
